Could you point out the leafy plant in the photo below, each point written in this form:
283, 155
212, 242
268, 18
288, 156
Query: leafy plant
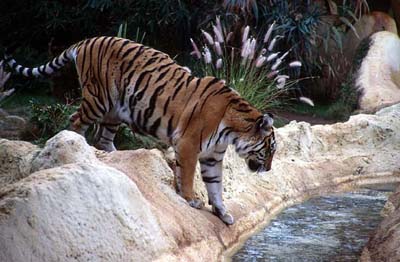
255, 70
126, 140
50, 119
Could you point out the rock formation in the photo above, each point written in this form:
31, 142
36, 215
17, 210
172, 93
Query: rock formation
378, 77
70, 202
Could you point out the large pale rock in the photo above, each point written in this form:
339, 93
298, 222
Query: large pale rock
378, 78
77, 212
64, 148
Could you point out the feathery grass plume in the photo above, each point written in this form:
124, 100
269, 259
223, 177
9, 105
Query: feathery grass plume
252, 68
295, 64
273, 42
195, 51
245, 34
252, 48
218, 64
208, 37
260, 61
306, 100
229, 37
272, 56
207, 55
217, 48
277, 63
269, 32
281, 82
218, 34
219, 26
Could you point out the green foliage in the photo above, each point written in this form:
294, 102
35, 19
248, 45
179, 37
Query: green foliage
50, 119
126, 140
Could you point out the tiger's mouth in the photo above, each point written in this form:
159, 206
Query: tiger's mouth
253, 165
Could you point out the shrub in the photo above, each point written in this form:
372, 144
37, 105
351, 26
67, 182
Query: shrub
48, 120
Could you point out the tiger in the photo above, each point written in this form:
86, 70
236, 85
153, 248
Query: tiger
124, 82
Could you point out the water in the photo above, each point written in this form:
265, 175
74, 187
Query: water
332, 228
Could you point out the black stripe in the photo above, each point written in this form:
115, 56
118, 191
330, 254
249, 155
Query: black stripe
106, 138
154, 127
243, 110
150, 61
211, 179
177, 89
212, 82
55, 69
111, 130
148, 113
226, 129
223, 90
85, 114
162, 75
121, 47
166, 105
169, 127
98, 105
220, 152
91, 109
190, 118
165, 65
30, 72
42, 71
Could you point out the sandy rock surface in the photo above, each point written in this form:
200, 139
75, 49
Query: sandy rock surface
84, 204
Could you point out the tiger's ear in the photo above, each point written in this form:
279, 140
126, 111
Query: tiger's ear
267, 122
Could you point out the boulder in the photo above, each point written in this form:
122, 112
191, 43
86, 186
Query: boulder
378, 78
64, 148
77, 212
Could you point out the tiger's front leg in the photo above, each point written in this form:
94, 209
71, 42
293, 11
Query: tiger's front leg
211, 172
186, 160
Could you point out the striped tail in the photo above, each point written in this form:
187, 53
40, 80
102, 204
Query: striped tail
44, 70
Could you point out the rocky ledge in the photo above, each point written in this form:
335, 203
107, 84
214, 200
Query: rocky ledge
70, 202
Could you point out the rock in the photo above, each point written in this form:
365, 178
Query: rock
11, 126
366, 26
77, 212
378, 78
64, 148
384, 244
15, 160
67, 210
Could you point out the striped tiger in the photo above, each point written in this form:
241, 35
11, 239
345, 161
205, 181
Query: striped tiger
126, 82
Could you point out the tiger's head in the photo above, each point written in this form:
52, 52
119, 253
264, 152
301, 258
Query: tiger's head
259, 146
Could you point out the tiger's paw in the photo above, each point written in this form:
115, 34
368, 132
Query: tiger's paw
196, 203
223, 215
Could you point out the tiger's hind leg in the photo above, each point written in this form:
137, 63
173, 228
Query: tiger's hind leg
104, 136
90, 111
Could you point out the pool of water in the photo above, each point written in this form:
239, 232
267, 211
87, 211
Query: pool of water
331, 228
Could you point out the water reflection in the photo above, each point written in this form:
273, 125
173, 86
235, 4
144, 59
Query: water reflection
332, 228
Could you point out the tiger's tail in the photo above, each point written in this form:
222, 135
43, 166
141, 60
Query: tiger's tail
48, 69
